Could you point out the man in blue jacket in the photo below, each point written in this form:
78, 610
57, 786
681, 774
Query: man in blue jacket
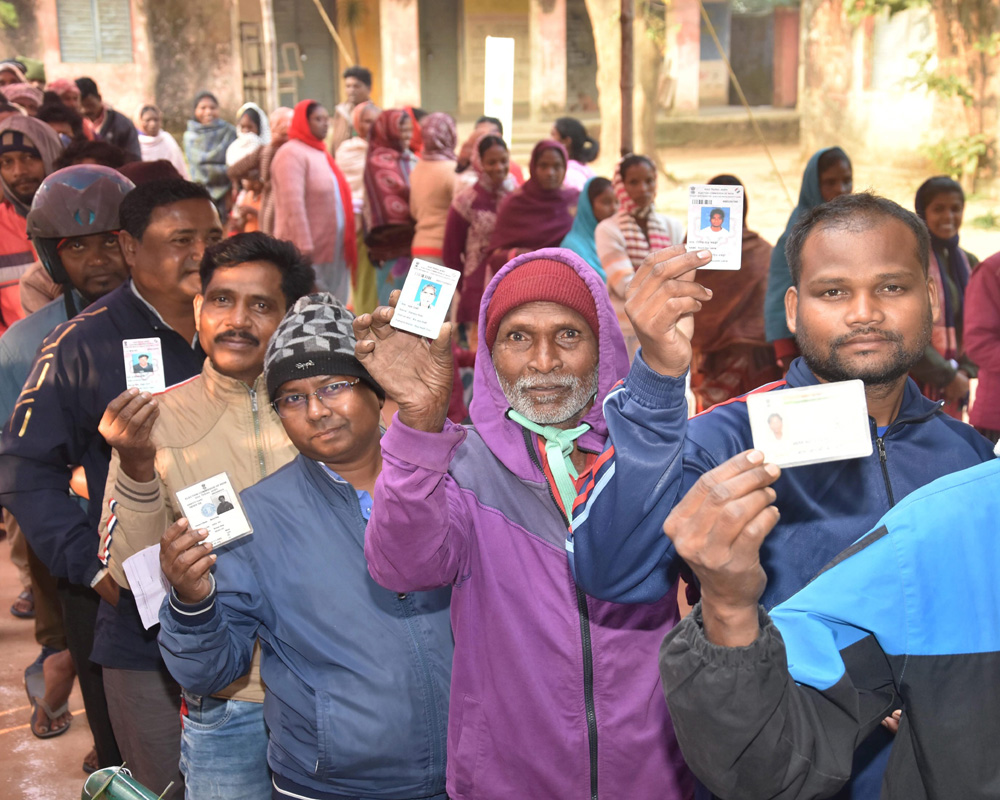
357, 676
861, 306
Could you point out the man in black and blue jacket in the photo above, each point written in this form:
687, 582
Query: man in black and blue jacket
861, 306
165, 228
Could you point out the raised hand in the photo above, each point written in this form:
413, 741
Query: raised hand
186, 559
415, 372
718, 528
661, 295
127, 425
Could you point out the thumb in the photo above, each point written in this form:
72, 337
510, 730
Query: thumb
441, 347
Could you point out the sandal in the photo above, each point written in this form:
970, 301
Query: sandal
90, 763
24, 606
38, 704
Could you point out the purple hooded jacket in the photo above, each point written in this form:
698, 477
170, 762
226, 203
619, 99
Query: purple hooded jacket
554, 694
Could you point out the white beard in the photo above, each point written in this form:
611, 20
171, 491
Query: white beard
583, 392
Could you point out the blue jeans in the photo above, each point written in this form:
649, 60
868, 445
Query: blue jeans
224, 750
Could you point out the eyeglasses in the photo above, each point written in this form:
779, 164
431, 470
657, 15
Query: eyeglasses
292, 404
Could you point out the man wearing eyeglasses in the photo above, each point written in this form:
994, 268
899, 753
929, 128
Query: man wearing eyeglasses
357, 676
218, 421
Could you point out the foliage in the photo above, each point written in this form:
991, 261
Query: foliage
940, 81
760, 6
958, 156
8, 16
989, 221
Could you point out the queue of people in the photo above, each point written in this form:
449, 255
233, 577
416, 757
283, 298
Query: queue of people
465, 591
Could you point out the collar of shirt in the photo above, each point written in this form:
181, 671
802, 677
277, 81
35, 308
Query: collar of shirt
159, 316
364, 498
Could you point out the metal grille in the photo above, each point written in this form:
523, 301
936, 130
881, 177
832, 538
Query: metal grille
95, 31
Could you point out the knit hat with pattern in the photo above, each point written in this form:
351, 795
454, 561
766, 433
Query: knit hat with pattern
314, 338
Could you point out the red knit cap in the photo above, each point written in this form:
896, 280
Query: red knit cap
544, 280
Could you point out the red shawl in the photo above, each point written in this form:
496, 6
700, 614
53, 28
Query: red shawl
299, 129
532, 217
387, 180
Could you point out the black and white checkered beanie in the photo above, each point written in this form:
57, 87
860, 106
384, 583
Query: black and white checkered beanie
314, 338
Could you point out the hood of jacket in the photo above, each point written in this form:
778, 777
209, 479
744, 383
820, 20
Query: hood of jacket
503, 436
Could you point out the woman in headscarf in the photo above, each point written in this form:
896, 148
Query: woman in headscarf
388, 225
598, 202
253, 132
945, 369
312, 200
539, 213
280, 120
581, 149
351, 157
156, 143
432, 186
206, 141
828, 175
636, 230
731, 356
471, 221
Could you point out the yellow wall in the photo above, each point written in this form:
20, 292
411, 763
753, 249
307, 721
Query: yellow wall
369, 45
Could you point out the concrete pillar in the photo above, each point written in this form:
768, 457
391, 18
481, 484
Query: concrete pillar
399, 28
547, 26
685, 18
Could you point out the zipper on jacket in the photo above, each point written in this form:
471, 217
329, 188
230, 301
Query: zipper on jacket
885, 469
880, 443
588, 650
256, 432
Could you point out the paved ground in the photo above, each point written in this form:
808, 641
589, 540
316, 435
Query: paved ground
30, 768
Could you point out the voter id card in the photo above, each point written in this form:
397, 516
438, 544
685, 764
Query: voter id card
715, 223
214, 505
425, 298
144, 365
811, 424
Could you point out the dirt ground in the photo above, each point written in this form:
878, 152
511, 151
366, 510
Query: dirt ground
770, 207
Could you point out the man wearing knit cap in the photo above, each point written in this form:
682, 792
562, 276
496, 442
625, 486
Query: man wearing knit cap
357, 676
28, 149
554, 694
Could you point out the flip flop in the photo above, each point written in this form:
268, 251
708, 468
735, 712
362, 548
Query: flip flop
90, 763
37, 703
28, 598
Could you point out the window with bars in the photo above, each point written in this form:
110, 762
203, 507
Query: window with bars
95, 31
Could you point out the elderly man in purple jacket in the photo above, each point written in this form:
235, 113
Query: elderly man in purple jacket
554, 694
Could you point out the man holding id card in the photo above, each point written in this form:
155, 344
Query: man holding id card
861, 307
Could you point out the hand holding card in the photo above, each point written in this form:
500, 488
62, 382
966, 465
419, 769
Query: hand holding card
715, 223
425, 299
214, 505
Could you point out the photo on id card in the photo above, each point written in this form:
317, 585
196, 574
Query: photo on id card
715, 223
811, 424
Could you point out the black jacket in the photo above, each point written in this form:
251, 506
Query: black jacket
119, 131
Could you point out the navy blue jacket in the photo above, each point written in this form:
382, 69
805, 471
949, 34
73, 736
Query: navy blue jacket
656, 454
79, 370
617, 547
357, 676
911, 612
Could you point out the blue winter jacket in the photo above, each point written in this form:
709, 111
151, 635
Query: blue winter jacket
357, 676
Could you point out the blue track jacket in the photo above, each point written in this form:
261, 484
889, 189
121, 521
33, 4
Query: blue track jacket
357, 676
617, 547
911, 612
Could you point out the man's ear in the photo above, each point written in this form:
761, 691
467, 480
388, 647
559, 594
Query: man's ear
935, 298
129, 246
199, 301
791, 307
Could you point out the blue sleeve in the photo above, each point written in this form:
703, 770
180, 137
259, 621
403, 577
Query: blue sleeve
617, 547
44, 437
208, 645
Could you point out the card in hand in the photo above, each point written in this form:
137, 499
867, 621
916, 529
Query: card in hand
715, 223
425, 299
811, 424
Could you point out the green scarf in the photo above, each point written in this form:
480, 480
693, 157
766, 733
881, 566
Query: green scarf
558, 448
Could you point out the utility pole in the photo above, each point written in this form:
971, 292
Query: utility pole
628, 73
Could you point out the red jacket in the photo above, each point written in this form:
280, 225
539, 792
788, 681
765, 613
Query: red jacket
16, 255
981, 338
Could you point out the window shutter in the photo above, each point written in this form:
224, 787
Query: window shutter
95, 31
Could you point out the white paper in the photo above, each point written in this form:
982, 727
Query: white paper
715, 223
811, 424
148, 583
214, 505
425, 298
144, 365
